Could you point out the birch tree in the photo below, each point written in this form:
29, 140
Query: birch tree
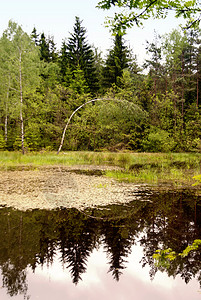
24, 70
5, 83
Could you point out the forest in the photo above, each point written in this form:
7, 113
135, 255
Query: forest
149, 108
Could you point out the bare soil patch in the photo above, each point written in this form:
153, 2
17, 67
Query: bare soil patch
52, 187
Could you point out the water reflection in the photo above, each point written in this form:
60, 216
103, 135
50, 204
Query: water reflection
39, 237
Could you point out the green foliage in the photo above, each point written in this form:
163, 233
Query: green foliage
17, 145
79, 55
33, 137
164, 258
107, 124
190, 248
136, 12
155, 112
116, 62
198, 180
158, 140
2, 142
156, 168
78, 83
193, 129
44, 48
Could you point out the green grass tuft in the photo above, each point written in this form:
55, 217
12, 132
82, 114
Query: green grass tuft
178, 168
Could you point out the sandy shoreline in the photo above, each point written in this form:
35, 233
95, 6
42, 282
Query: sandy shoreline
52, 187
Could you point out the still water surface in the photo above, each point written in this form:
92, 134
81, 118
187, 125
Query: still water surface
102, 253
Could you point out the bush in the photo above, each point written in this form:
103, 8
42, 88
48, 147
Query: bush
2, 142
158, 140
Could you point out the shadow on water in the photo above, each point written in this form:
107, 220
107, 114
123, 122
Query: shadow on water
162, 220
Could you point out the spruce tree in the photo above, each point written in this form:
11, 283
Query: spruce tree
116, 62
35, 36
78, 83
65, 71
80, 54
52, 50
44, 48
47, 46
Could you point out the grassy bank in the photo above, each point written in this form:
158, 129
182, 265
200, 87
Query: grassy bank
177, 168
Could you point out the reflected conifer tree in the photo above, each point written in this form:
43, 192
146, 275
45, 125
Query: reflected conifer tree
117, 242
48, 237
78, 236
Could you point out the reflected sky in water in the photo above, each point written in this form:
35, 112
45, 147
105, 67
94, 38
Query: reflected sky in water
99, 254
56, 283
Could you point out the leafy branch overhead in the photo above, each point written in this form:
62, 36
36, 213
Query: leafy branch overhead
135, 12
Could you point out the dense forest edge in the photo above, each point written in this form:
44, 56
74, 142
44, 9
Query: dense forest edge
152, 108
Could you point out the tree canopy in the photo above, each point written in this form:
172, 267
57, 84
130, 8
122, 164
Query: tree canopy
135, 12
41, 86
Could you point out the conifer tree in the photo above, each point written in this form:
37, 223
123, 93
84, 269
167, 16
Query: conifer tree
35, 36
44, 48
80, 54
117, 61
65, 71
47, 46
52, 49
78, 82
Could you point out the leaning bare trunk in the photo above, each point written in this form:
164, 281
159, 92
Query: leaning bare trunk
64, 132
21, 104
90, 101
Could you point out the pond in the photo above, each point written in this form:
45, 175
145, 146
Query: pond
104, 252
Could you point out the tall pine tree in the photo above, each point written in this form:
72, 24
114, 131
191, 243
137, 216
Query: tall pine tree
35, 36
44, 48
80, 54
65, 71
116, 62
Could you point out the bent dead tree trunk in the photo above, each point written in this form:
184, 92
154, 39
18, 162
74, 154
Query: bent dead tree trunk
64, 132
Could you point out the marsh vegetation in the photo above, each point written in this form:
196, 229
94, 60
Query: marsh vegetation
151, 168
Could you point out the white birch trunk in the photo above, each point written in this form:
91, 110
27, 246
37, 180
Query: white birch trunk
6, 111
6, 122
21, 101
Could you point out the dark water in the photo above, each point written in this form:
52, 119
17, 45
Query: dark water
102, 253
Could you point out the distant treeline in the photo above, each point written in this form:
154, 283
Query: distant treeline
40, 87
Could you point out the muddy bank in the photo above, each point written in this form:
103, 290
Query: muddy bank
52, 187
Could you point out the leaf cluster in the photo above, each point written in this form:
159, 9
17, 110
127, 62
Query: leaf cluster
136, 12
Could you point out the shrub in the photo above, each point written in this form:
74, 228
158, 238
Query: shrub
158, 140
2, 142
